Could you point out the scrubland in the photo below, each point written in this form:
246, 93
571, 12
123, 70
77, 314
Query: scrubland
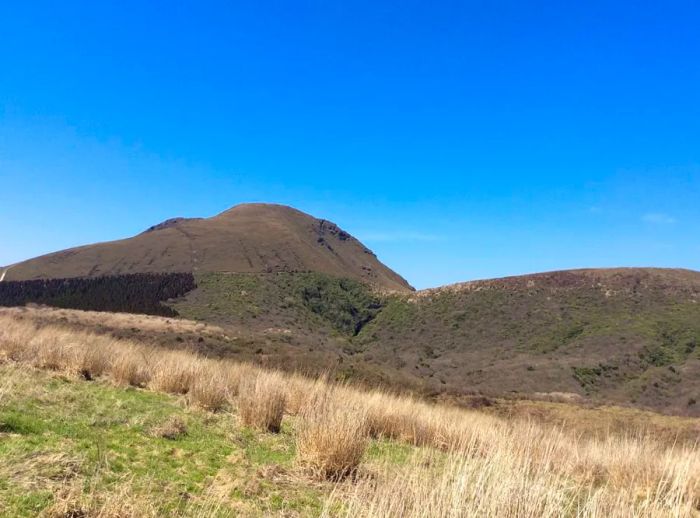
96, 426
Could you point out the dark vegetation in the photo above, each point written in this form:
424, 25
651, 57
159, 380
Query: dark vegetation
133, 293
347, 304
297, 302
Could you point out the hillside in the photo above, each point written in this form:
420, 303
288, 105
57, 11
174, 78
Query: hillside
625, 336
249, 238
621, 335
301, 294
93, 426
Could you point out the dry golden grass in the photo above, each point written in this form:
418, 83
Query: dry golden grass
48, 315
261, 401
130, 366
175, 372
466, 463
331, 434
524, 473
173, 428
213, 386
74, 501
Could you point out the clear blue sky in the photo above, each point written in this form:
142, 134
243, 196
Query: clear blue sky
459, 140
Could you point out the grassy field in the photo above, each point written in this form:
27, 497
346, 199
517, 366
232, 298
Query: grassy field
91, 425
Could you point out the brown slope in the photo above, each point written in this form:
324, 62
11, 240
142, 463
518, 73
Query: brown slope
249, 238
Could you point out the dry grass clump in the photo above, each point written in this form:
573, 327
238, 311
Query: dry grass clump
261, 401
92, 362
50, 352
174, 428
74, 502
130, 366
211, 388
331, 434
398, 418
175, 372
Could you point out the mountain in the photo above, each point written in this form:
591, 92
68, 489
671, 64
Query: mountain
249, 238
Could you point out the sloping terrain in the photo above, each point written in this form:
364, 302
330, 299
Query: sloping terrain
299, 293
609, 336
626, 336
249, 238
96, 426
622, 335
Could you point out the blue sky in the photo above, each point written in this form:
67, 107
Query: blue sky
459, 140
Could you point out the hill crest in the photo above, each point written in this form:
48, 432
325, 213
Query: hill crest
247, 238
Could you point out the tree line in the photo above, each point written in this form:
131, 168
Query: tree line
130, 293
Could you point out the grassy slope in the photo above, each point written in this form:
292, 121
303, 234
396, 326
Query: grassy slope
636, 346
60, 435
299, 321
628, 337
89, 443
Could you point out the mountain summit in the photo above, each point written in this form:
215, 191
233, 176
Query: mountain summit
248, 238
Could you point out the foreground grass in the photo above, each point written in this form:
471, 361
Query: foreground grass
87, 429
61, 437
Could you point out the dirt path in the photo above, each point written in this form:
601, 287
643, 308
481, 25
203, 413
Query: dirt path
4, 272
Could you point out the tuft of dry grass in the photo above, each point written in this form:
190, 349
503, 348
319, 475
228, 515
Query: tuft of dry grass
130, 366
261, 401
331, 435
172, 429
175, 373
74, 504
92, 362
211, 387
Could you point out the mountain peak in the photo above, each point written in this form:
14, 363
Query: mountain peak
247, 238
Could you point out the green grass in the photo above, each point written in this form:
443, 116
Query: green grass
61, 434
58, 432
